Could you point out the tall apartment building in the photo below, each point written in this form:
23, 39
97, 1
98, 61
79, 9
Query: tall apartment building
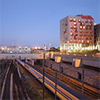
76, 32
97, 36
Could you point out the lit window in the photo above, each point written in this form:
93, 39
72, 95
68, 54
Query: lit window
74, 26
80, 26
74, 23
79, 41
82, 41
70, 33
79, 20
74, 19
83, 27
87, 41
65, 33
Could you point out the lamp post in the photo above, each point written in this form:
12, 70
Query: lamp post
43, 68
82, 80
56, 85
60, 68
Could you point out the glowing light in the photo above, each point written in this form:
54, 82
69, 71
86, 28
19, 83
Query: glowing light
70, 33
58, 59
82, 41
83, 27
74, 19
80, 26
20, 47
74, 26
88, 41
77, 62
79, 20
51, 54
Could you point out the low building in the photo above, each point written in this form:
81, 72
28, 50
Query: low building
15, 50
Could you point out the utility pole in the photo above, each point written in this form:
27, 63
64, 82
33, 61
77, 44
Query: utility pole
82, 80
60, 68
43, 73
56, 85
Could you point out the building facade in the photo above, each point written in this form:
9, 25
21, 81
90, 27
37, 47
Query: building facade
15, 50
76, 32
97, 36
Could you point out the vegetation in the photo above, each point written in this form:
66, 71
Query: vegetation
55, 49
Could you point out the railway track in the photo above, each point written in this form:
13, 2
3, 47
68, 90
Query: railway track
91, 91
61, 92
12, 87
94, 93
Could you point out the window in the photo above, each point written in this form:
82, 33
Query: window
83, 27
71, 33
74, 26
82, 41
79, 37
79, 75
86, 21
79, 20
75, 30
61, 69
50, 65
87, 41
86, 38
80, 23
80, 26
74, 19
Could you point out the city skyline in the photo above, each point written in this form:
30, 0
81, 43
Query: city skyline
35, 23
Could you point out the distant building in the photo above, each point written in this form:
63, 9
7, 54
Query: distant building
97, 36
76, 32
15, 49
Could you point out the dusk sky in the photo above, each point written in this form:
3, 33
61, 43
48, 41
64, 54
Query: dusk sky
37, 22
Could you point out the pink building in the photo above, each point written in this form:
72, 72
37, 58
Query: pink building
76, 32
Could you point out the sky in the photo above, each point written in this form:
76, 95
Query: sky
37, 22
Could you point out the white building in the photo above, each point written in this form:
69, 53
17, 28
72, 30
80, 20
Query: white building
15, 49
